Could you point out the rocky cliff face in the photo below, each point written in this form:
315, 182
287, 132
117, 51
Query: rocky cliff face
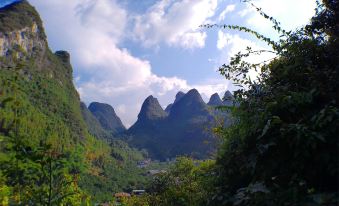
21, 35
20, 42
23, 39
45, 79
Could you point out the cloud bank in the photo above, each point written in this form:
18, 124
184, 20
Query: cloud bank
92, 30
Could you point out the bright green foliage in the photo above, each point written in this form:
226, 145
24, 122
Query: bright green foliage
113, 170
34, 166
186, 183
47, 156
39, 114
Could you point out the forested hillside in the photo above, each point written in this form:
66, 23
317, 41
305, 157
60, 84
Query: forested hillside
47, 154
277, 134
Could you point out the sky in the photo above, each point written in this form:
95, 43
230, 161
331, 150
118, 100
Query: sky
125, 50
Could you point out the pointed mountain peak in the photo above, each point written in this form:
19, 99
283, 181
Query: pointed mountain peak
92, 123
20, 24
107, 117
194, 95
228, 95
151, 109
179, 96
215, 100
189, 105
228, 98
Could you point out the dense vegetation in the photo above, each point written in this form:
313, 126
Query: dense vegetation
47, 155
107, 117
282, 148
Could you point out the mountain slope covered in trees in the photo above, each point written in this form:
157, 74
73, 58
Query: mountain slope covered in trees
47, 154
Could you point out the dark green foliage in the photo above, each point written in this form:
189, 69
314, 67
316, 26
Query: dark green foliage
114, 172
93, 125
283, 149
107, 117
45, 148
186, 183
35, 172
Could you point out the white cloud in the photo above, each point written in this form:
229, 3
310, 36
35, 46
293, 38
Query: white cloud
232, 44
175, 23
223, 39
227, 10
91, 30
290, 13
104, 15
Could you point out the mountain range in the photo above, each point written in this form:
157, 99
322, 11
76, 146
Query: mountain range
183, 128
38, 95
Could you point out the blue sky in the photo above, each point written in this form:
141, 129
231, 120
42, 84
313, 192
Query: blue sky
124, 50
6, 2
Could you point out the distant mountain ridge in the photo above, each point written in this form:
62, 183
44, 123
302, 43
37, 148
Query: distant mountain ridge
178, 96
107, 117
151, 110
94, 126
215, 100
183, 128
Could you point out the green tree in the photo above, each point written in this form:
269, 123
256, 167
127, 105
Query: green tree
188, 182
30, 174
283, 146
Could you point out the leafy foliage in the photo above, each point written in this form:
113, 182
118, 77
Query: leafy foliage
186, 183
47, 156
34, 169
283, 148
